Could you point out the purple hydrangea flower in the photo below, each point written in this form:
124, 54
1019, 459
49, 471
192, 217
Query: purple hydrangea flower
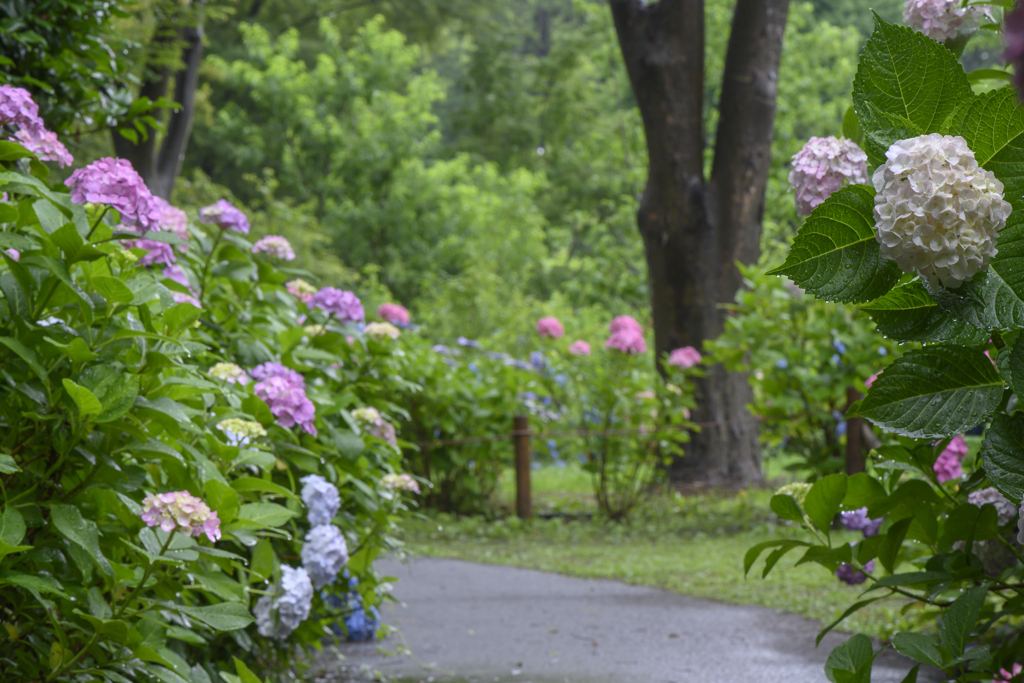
158, 252
625, 322
114, 182
321, 499
822, 167
172, 219
627, 341
342, 304
225, 216
181, 298
550, 327
847, 574
947, 465
684, 358
17, 108
579, 348
274, 246
288, 403
268, 370
394, 313
857, 520
44, 144
181, 511
14, 254
1005, 510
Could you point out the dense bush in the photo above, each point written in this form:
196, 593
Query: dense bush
930, 251
151, 485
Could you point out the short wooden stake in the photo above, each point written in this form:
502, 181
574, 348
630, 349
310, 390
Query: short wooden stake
521, 440
854, 438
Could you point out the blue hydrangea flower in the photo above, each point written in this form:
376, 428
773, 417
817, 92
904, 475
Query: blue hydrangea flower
321, 498
280, 613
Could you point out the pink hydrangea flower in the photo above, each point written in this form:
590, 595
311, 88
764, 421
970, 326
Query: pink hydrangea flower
301, 290
625, 322
823, 166
288, 403
181, 298
550, 327
157, 252
274, 246
400, 482
394, 313
114, 182
342, 304
17, 108
579, 348
225, 216
172, 219
685, 357
180, 511
1005, 675
947, 465
627, 341
44, 144
13, 253
940, 20
871, 380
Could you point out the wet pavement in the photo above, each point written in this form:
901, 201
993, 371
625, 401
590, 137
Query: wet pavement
462, 621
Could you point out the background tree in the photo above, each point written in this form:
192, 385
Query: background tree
696, 225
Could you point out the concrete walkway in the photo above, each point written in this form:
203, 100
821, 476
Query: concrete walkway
477, 622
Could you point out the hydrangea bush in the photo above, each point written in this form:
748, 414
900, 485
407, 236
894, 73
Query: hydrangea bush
930, 250
152, 523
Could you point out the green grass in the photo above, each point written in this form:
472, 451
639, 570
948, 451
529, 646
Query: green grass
691, 545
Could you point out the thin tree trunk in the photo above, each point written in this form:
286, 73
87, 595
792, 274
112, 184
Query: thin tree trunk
696, 229
160, 164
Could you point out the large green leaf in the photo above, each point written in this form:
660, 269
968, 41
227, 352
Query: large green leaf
823, 500
959, 619
72, 526
906, 75
934, 392
918, 646
1002, 453
264, 514
853, 656
84, 399
988, 301
909, 313
26, 354
115, 389
225, 616
835, 255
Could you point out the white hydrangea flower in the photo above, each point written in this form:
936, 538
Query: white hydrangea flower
937, 211
241, 432
381, 330
321, 498
990, 496
229, 372
324, 554
798, 491
281, 612
368, 416
941, 20
822, 167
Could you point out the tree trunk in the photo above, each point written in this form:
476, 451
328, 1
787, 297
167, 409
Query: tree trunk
160, 165
696, 229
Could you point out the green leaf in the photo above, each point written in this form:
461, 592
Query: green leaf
958, 619
909, 313
113, 290
890, 549
60, 271
934, 392
26, 354
1016, 365
1002, 453
244, 675
849, 610
851, 127
7, 464
787, 508
851, 656
39, 583
179, 316
70, 524
968, 522
14, 293
988, 301
86, 401
911, 676
823, 500
10, 151
71, 243
116, 390
904, 73
76, 349
256, 484
223, 499
12, 526
919, 647
835, 255
264, 514
264, 560
225, 616
861, 491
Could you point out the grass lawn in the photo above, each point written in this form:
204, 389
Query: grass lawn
692, 545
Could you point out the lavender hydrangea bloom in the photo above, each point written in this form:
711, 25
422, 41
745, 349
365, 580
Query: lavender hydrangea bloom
225, 216
685, 358
847, 574
324, 554
45, 145
627, 341
176, 274
940, 20
172, 219
180, 511
17, 108
1005, 510
857, 520
321, 499
823, 166
279, 614
14, 254
157, 252
550, 327
268, 370
274, 246
288, 403
114, 182
182, 298
342, 304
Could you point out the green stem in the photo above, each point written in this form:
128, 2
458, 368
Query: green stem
206, 266
145, 575
97, 223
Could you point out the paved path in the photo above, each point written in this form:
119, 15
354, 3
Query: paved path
488, 623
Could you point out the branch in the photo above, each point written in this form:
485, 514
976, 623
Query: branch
179, 129
746, 122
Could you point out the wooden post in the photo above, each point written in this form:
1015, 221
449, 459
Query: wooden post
521, 440
854, 439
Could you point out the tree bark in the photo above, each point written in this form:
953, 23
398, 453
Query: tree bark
160, 165
695, 228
